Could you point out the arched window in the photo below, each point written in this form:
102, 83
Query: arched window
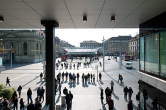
25, 48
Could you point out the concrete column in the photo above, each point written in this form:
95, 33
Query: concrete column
50, 61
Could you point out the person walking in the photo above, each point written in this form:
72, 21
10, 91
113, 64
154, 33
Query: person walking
125, 90
91, 77
42, 93
78, 77
130, 91
110, 103
38, 92
19, 90
106, 93
100, 75
29, 95
130, 105
14, 95
71, 98
15, 102
60, 88
8, 81
83, 78
66, 75
63, 74
101, 96
94, 78
68, 99
41, 76
22, 104
119, 77
31, 106
112, 86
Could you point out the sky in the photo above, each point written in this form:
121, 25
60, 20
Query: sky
75, 36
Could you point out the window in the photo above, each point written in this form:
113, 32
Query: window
152, 53
142, 53
25, 48
163, 54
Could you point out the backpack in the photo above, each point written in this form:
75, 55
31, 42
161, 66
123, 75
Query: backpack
110, 103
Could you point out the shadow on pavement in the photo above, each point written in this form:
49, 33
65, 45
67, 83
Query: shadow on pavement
57, 100
116, 97
16, 65
30, 81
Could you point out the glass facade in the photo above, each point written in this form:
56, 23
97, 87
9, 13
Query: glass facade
153, 53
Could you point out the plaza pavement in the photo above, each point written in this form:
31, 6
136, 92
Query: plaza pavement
85, 97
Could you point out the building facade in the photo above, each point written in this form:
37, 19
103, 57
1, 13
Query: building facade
89, 43
60, 46
152, 63
133, 49
114, 45
27, 45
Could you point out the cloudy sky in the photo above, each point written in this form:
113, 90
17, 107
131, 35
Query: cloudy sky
75, 36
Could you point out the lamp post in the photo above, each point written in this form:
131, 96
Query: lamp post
103, 54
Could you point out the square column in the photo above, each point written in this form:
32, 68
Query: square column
50, 61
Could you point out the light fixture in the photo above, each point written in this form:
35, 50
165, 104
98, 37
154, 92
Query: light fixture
112, 18
84, 18
1, 19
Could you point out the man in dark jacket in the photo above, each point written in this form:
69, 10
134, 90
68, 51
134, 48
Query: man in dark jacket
15, 102
19, 90
125, 90
7, 81
71, 98
68, 99
130, 91
29, 94
31, 106
130, 105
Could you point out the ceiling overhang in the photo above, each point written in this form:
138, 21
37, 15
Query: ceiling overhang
28, 14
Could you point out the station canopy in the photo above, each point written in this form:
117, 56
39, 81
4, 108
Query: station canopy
81, 51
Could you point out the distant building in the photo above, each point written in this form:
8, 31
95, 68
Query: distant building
27, 45
60, 46
114, 45
134, 46
89, 43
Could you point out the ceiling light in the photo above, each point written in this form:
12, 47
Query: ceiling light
84, 18
1, 19
112, 18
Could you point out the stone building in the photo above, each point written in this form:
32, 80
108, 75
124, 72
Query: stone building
134, 47
89, 43
27, 45
114, 45
60, 46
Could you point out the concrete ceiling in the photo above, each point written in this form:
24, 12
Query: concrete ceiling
69, 13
